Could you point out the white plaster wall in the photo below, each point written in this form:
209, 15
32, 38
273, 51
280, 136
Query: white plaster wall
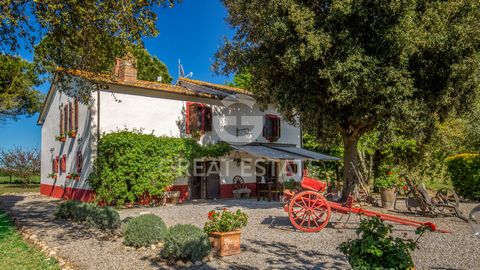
124, 110
50, 148
161, 114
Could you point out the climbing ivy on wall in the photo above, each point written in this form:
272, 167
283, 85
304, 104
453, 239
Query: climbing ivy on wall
130, 164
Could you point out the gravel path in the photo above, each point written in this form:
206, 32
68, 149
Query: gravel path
263, 247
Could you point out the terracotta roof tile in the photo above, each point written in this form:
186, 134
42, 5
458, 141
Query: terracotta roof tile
217, 86
107, 78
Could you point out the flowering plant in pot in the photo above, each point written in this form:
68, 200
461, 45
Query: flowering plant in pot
52, 175
223, 228
61, 138
72, 133
74, 176
388, 182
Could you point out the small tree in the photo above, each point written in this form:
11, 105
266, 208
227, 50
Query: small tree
23, 163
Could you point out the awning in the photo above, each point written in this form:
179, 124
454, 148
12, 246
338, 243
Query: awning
267, 152
305, 153
283, 152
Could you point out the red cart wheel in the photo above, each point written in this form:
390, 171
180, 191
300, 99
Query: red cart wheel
309, 211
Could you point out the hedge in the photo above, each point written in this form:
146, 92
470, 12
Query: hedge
131, 165
104, 218
464, 170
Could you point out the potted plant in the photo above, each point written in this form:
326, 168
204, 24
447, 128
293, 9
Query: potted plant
223, 228
73, 176
72, 133
387, 183
52, 175
61, 138
377, 249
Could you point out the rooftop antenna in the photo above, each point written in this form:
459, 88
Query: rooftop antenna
181, 72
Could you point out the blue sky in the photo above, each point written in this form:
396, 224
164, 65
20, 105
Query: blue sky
191, 31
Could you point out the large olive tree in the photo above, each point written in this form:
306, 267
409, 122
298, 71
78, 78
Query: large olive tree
346, 67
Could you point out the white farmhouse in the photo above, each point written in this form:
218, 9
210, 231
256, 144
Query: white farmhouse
207, 112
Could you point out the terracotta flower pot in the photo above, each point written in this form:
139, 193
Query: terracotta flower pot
225, 243
388, 196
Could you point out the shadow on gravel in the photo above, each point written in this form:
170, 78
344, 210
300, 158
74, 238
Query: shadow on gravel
244, 203
287, 256
38, 215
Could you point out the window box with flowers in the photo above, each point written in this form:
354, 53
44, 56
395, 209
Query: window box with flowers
223, 228
73, 176
72, 133
61, 138
52, 175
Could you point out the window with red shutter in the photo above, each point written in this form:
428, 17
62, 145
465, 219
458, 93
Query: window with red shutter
271, 129
199, 118
55, 165
79, 162
75, 113
63, 163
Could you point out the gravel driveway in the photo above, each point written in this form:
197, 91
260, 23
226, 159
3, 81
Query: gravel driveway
263, 247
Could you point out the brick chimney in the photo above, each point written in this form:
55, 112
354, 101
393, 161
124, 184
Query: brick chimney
125, 68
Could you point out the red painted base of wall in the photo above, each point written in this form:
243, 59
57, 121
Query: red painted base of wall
84, 195
226, 190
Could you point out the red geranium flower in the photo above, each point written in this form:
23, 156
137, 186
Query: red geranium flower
210, 215
389, 173
225, 209
405, 187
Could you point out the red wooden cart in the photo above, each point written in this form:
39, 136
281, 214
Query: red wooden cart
310, 211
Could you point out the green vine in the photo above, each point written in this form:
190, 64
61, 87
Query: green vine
131, 165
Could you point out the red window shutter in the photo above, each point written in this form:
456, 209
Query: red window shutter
61, 121
63, 164
195, 117
271, 129
70, 116
207, 118
65, 118
277, 127
187, 118
55, 165
79, 162
76, 113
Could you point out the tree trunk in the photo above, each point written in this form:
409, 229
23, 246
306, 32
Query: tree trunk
349, 159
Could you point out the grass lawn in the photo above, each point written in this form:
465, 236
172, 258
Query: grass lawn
15, 253
18, 188
15, 180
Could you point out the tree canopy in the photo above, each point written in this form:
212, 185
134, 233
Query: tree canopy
79, 35
18, 78
346, 67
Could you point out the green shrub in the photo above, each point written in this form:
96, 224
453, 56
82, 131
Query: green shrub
376, 249
144, 230
464, 170
104, 218
185, 242
131, 165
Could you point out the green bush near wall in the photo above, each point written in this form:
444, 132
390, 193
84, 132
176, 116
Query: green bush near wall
464, 170
130, 164
104, 218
